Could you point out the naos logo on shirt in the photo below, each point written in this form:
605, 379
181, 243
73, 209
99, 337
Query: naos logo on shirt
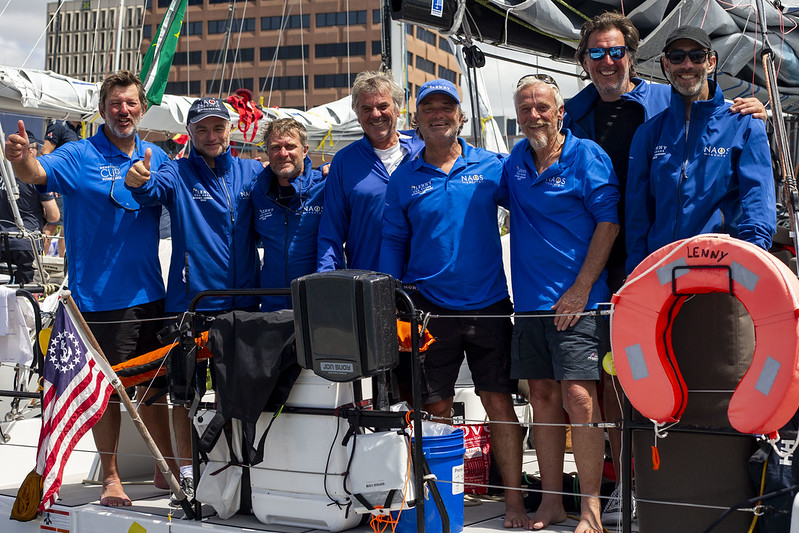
660, 150
200, 194
263, 214
422, 188
312, 209
521, 174
244, 195
473, 178
109, 172
716, 151
556, 181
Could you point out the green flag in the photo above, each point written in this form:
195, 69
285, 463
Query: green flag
158, 61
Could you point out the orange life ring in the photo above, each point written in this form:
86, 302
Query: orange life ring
768, 394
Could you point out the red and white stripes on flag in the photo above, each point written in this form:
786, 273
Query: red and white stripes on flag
76, 392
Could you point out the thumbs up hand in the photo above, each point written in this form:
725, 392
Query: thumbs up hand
17, 144
139, 172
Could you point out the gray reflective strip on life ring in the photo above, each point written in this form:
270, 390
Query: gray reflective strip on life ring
635, 356
665, 272
740, 273
744, 276
767, 376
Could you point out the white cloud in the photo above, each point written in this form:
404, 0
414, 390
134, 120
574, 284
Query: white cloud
22, 24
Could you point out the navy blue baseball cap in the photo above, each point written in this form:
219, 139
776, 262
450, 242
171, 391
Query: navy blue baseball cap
437, 87
692, 33
203, 108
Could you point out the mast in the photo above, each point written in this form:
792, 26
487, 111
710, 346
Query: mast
117, 52
228, 29
786, 166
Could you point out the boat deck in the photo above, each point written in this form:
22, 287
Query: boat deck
79, 504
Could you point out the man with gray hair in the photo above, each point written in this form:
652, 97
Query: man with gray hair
563, 198
355, 190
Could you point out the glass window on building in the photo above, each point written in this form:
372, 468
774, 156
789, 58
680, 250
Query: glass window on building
328, 81
448, 74
284, 83
357, 48
284, 52
376, 16
339, 18
377, 48
425, 65
147, 32
425, 35
293, 21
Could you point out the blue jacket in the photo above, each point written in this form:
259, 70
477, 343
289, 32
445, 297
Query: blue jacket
288, 234
113, 262
440, 230
718, 179
553, 218
355, 193
579, 119
213, 242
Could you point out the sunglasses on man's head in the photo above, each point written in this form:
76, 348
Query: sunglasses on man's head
615, 52
697, 57
527, 78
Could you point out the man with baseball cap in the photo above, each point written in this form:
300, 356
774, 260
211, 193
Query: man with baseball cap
213, 241
440, 235
696, 168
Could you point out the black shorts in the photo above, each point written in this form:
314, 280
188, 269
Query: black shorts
486, 342
22, 260
127, 333
540, 351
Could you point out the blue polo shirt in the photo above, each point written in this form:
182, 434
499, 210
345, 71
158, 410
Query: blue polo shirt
113, 252
553, 218
440, 230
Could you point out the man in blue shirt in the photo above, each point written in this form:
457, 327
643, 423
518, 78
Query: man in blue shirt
564, 218
355, 190
114, 272
440, 234
59, 132
288, 201
208, 195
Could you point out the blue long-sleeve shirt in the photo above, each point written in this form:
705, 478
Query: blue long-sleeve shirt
288, 233
711, 175
213, 240
355, 193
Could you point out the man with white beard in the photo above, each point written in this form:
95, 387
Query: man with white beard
563, 196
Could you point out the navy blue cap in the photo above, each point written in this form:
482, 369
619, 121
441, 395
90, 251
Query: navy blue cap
437, 87
33, 139
203, 108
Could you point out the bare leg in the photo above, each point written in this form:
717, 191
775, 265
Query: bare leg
182, 426
506, 442
156, 418
106, 438
612, 414
550, 443
583, 407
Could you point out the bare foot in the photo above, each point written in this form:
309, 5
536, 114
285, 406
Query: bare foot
545, 516
587, 525
516, 518
113, 495
515, 513
159, 481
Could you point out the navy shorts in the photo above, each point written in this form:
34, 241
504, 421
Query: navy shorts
127, 333
540, 351
485, 341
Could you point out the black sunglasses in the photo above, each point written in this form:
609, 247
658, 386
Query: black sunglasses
697, 57
123, 197
615, 52
546, 78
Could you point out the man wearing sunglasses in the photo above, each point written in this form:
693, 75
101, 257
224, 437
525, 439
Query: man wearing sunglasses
697, 168
608, 111
288, 200
113, 268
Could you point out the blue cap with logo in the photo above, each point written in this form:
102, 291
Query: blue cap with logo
205, 107
437, 87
